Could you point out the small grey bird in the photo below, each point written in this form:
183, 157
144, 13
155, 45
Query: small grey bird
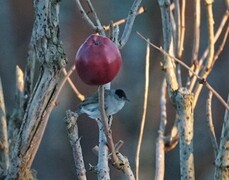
114, 100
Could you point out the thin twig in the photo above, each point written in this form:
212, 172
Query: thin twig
85, 16
100, 29
201, 80
210, 123
117, 162
4, 145
141, 10
220, 49
199, 65
160, 146
182, 30
211, 45
168, 63
146, 93
104, 138
129, 22
74, 139
174, 21
80, 96
180, 48
19, 92
178, 26
196, 38
217, 95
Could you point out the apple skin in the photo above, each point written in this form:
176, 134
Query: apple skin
98, 60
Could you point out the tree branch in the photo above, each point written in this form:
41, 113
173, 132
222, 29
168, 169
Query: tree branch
168, 64
201, 80
160, 146
141, 10
211, 45
199, 65
143, 120
196, 38
4, 145
184, 108
51, 55
78, 94
129, 23
222, 161
210, 123
72, 128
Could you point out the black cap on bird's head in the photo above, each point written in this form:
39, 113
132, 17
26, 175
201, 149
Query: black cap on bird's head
121, 94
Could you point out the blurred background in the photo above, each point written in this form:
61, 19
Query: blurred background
54, 159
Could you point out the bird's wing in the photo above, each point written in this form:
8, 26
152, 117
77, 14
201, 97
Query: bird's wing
90, 100
94, 98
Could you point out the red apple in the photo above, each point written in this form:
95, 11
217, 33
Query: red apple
98, 60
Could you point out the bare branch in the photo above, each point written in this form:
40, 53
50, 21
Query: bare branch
146, 93
29, 71
199, 65
217, 95
141, 10
196, 38
51, 55
105, 138
78, 94
184, 108
168, 64
182, 30
211, 45
85, 16
102, 168
203, 81
19, 92
4, 145
98, 23
222, 161
178, 25
210, 123
221, 46
160, 146
129, 23
72, 128
125, 166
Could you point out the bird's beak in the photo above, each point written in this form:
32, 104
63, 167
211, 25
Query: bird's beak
127, 100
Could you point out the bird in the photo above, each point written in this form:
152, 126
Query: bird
114, 101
